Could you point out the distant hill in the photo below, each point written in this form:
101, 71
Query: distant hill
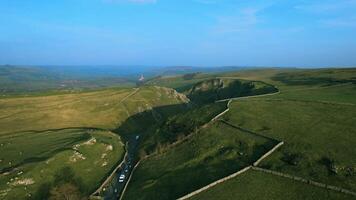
27, 79
23, 79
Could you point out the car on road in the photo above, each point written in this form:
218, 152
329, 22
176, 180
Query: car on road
121, 178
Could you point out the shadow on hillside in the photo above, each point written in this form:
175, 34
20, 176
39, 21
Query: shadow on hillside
145, 124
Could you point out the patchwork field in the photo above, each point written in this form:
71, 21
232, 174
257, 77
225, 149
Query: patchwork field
258, 185
214, 152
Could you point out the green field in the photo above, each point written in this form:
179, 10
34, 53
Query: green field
313, 114
258, 185
33, 159
316, 120
41, 135
47, 137
214, 152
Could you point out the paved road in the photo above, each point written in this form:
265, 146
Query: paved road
113, 190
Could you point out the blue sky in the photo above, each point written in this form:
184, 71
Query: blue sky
178, 32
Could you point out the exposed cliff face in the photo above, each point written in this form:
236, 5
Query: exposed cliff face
216, 89
203, 86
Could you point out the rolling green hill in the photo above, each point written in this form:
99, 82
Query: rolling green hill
313, 114
212, 153
180, 148
40, 136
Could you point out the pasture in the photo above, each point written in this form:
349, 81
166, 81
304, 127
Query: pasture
214, 152
317, 125
36, 158
258, 185
42, 135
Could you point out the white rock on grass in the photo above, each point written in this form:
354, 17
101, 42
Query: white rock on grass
104, 164
109, 148
76, 156
26, 181
92, 141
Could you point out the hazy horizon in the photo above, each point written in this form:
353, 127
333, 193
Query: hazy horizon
299, 33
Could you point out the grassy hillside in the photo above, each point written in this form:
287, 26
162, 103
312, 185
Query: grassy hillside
318, 136
31, 161
315, 119
43, 135
257, 185
212, 153
100, 109
180, 82
17, 80
313, 114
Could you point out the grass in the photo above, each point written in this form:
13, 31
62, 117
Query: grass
15, 148
342, 93
22, 80
319, 136
100, 109
258, 185
39, 134
178, 126
99, 153
210, 154
180, 83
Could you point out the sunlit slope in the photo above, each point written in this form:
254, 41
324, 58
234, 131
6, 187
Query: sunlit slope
101, 109
40, 136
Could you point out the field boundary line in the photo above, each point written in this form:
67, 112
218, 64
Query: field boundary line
191, 134
310, 182
222, 113
268, 153
248, 97
248, 131
175, 144
215, 183
232, 175
129, 95
108, 179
